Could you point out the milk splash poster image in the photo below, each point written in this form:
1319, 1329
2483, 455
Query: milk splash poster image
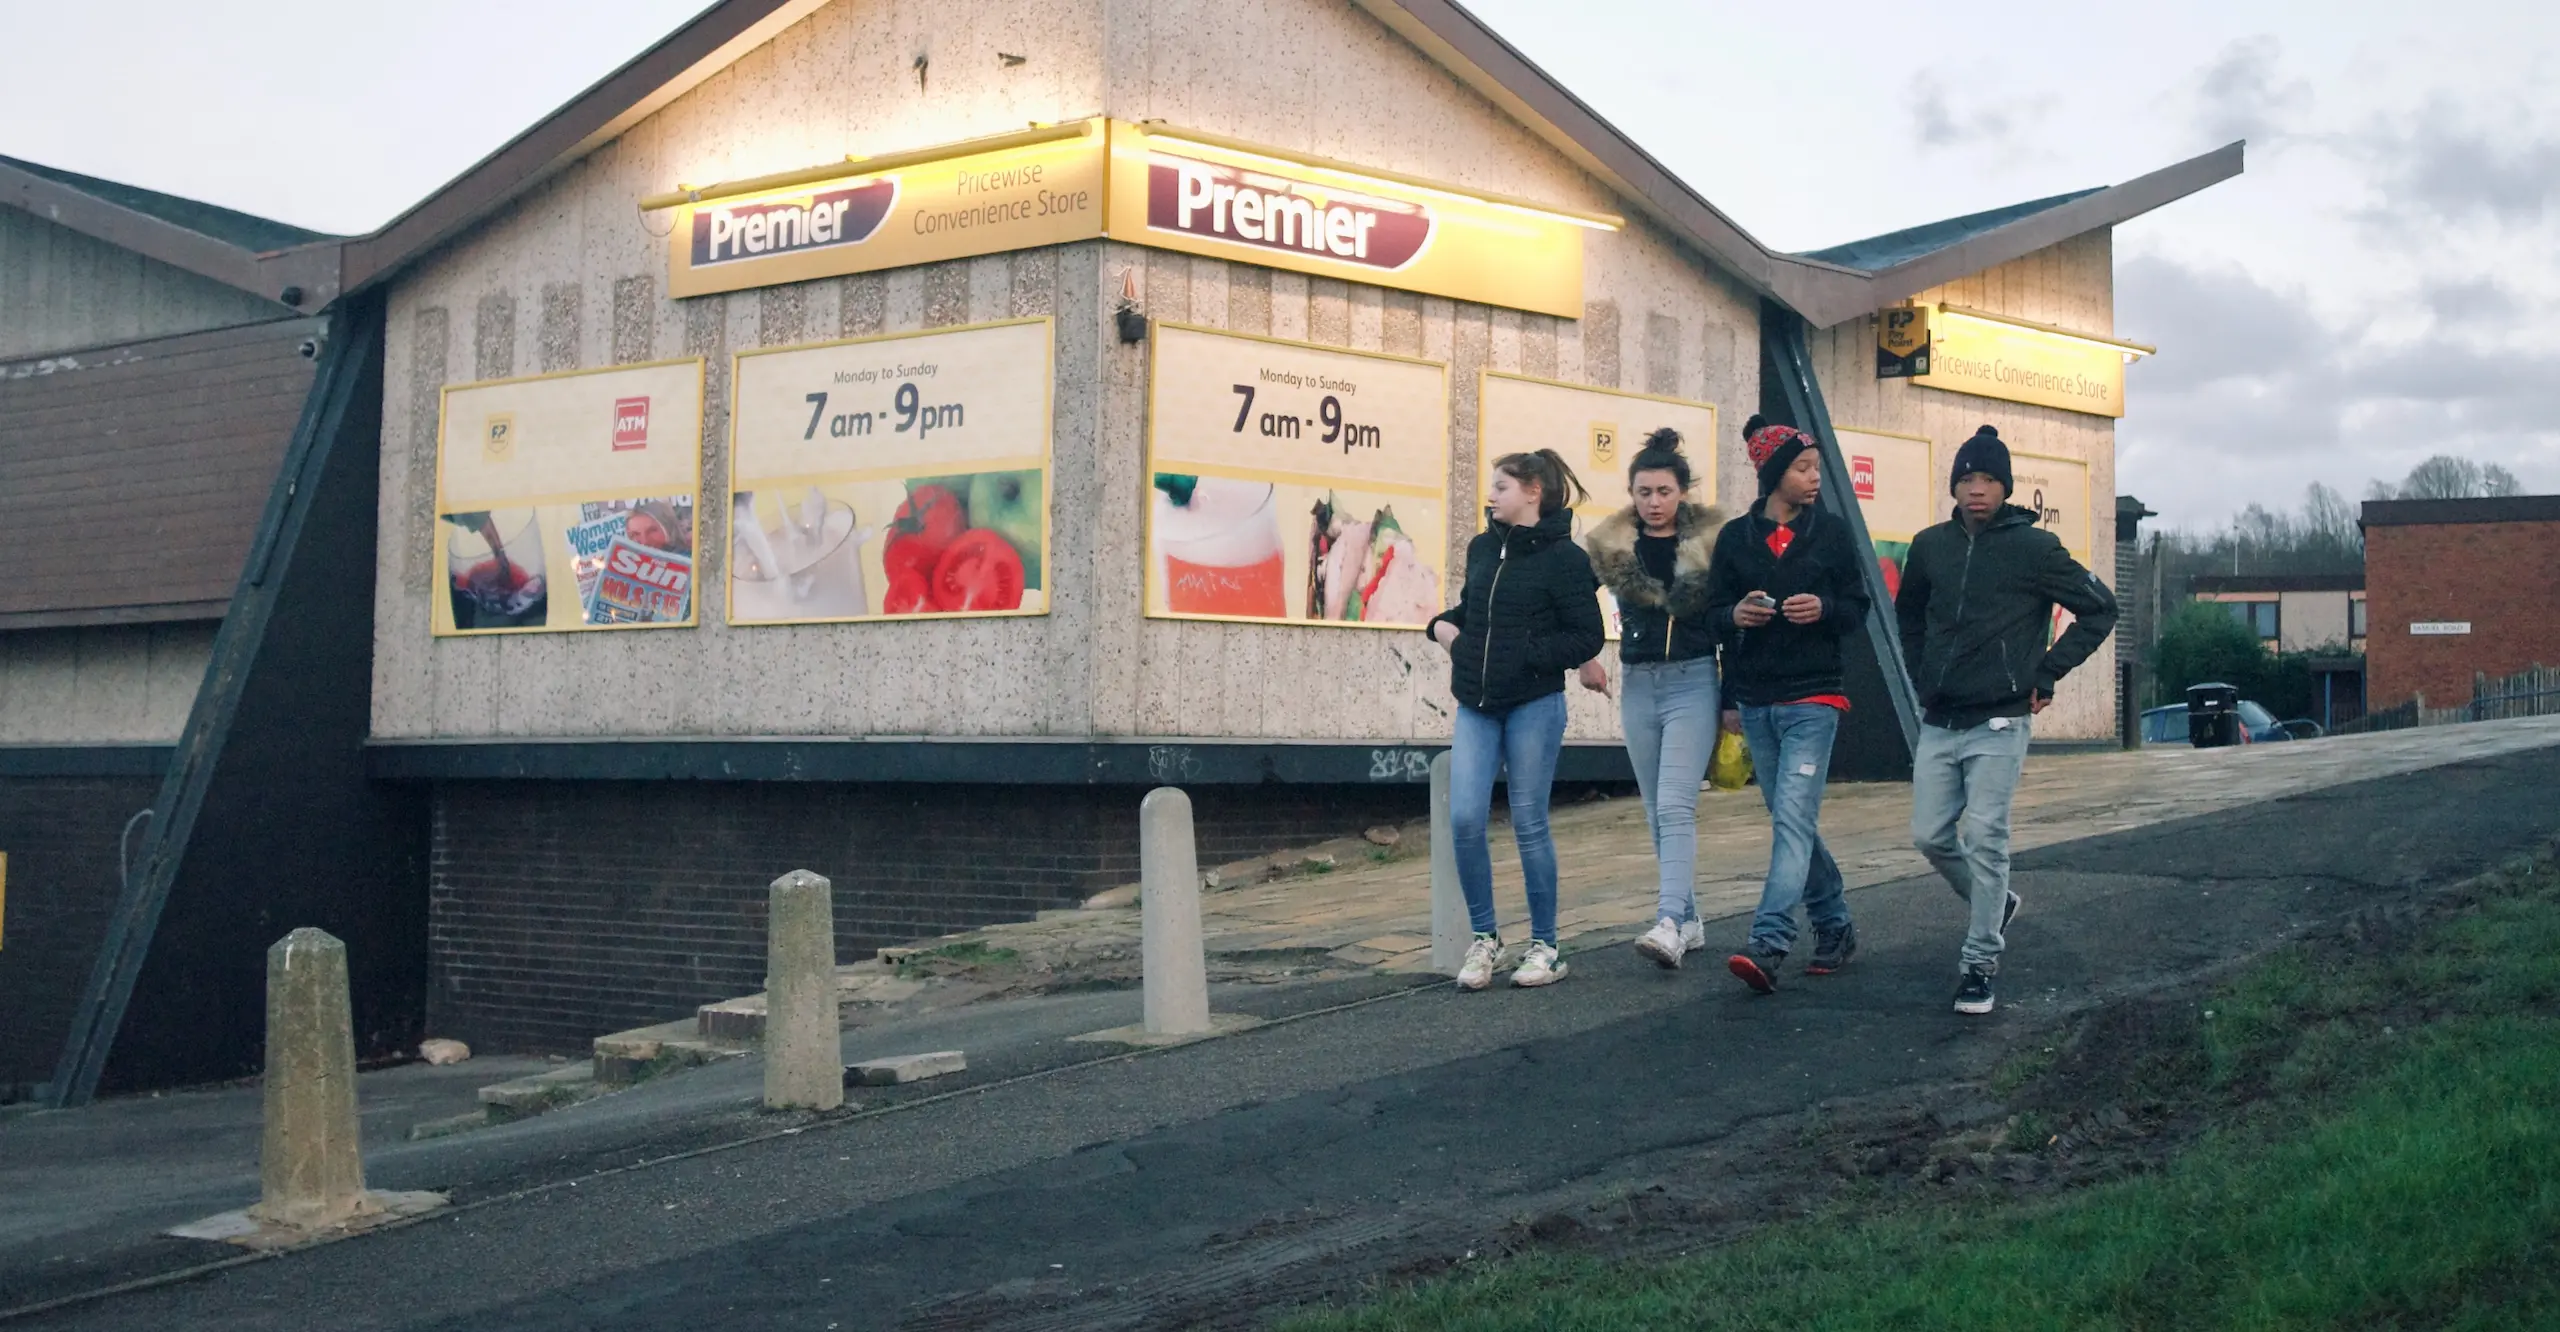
567, 502
887, 477
1294, 483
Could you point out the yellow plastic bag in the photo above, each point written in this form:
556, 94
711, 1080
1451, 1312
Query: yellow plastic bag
1730, 769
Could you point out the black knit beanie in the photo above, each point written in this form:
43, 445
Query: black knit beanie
1983, 453
1772, 449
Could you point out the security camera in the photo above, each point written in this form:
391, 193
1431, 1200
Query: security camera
310, 349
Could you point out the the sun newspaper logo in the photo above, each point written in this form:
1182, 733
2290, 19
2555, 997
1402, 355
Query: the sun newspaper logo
630, 424
638, 585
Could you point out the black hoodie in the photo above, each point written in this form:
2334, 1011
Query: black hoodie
1781, 661
1529, 612
1974, 611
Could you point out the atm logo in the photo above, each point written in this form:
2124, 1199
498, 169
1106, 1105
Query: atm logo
1273, 212
630, 424
1862, 476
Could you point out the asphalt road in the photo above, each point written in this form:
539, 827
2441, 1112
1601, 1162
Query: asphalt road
1204, 1182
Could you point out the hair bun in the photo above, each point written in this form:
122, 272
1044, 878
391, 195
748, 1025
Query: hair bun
1663, 437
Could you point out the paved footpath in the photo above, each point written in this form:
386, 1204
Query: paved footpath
1379, 914
1206, 1184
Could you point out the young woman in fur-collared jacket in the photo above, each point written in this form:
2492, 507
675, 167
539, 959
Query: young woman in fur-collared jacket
1653, 557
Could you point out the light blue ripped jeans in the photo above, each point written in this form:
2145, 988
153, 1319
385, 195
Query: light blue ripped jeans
1791, 760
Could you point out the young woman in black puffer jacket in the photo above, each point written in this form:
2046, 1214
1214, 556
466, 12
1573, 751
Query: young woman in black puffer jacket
1530, 613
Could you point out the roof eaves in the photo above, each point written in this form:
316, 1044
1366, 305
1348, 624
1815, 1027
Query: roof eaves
2108, 207
711, 42
131, 229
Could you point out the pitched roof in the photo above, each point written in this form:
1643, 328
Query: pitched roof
266, 258
1824, 290
229, 225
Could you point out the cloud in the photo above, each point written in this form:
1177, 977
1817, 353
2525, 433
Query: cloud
2437, 165
1937, 122
2242, 96
2475, 300
2255, 394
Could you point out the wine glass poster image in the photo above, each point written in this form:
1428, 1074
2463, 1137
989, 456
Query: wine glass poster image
1294, 483
566, 502
896, 476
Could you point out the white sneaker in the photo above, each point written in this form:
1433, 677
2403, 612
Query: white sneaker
1483, 956
1693, 936
1539, 966
1663, 944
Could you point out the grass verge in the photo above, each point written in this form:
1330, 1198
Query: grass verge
2384, 1152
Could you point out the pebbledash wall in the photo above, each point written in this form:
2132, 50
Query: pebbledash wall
564, 907
2070, 285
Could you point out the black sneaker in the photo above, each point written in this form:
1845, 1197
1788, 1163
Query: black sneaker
1832, 950
1974, 995
1757, 969
2009, 912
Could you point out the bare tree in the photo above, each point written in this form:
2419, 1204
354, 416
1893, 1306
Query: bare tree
2447, 477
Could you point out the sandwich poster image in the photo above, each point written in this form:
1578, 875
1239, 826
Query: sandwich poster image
892, 477
566, 502
1291, 483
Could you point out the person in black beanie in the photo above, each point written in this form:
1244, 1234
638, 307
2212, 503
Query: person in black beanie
1786, 584
1978, 593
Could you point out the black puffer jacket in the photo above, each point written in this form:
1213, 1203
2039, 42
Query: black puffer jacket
1782, 661
1530, 611
1974, 611
1658, 623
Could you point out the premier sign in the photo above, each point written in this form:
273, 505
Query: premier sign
727, 233
1274, 212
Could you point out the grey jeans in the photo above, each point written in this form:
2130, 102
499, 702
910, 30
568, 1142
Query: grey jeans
1668, 709
1961, 785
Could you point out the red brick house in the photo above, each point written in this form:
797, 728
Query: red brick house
2457, 587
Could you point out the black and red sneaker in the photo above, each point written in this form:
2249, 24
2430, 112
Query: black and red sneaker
1832, 950
1757, 969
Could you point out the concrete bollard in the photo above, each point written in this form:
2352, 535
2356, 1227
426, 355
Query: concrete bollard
803, 1054
1177, 971
1451, 931
311, 1165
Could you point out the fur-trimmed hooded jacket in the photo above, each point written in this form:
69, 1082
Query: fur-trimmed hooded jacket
1658, 623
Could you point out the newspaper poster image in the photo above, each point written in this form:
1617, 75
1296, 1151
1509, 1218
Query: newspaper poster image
567, 502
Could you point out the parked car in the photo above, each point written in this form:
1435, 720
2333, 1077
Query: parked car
2168, 725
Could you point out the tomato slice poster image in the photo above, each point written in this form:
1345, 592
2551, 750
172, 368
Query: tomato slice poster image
892, 477
566, 502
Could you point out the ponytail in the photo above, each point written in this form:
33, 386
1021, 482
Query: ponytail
1661, 453
1558, 487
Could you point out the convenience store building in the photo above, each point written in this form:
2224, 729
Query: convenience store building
889, 440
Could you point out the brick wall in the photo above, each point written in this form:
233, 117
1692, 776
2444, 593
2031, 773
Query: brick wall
562, 911
60, 834
2502, 577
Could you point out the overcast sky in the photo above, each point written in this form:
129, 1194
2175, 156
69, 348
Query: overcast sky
2382, 284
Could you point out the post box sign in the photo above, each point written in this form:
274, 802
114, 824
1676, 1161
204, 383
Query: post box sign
1261, 207
1990, 359
1292, 483
897, 476
922, 212
1902, 342
1897, 490
567, 501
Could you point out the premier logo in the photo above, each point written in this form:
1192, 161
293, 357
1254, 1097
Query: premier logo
726, 233
1275, 213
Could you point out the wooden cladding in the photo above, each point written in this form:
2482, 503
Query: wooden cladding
135, 476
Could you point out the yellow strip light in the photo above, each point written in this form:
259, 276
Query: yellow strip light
1190, 138
854, 167
2132, 350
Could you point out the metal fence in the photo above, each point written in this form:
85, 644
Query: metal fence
2531, 692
